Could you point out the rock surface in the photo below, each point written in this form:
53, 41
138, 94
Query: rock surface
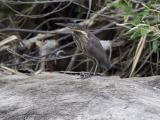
55, 96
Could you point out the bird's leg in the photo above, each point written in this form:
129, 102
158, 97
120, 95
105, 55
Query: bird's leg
93, 66
90, 72
95, 70
96, 66
84, 76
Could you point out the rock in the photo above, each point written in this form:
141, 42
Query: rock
55, 96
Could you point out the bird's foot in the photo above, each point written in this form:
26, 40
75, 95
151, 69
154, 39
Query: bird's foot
85, 75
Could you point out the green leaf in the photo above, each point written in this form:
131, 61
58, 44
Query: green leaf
155, 45
126, 17
135, 35
144, 31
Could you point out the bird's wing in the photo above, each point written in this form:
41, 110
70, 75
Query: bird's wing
95, 48
95, 42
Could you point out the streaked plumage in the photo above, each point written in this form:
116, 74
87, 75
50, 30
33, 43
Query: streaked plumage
90, 45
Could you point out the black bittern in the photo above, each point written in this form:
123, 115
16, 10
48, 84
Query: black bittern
90, 45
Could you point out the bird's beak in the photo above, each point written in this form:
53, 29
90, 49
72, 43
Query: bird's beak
79, 31
73, 30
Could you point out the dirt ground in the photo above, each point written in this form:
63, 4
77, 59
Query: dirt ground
55, 96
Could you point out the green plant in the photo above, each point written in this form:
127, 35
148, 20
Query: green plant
141, 26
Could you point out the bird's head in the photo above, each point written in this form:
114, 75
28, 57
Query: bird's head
78, 30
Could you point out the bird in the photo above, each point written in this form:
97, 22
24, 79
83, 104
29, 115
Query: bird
90, 46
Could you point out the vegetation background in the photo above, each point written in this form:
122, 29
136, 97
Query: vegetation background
131, 25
